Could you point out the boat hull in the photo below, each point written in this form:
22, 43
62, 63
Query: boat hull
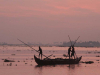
56, 61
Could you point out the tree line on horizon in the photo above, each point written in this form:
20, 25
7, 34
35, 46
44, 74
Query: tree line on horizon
62, 44
83, 44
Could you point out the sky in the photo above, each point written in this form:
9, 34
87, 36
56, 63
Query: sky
48, 21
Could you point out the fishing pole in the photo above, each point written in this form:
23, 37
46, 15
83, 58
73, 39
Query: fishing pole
33, 48
76, 40
74, 43
70, 40
28, 45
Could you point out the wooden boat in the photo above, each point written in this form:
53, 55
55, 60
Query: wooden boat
56, 61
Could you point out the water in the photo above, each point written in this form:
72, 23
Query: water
25, 65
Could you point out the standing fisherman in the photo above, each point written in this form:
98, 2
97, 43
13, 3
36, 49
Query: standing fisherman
69, 50
40, 52
73, 51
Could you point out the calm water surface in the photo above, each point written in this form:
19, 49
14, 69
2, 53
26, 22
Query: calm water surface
25, 65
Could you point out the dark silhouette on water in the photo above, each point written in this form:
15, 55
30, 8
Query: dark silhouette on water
69, 50
48, 61
73, 51
56, 61
6, 60
88, 62
40, 52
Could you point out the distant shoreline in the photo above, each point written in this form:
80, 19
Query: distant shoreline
57, 44
22, 45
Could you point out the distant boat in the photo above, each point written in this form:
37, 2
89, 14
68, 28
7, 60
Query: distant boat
56, 61
6, 60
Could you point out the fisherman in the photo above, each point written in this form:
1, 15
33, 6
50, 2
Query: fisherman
40, 52
73, 51
69, 50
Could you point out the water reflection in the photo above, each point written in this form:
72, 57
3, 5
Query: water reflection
70, 66
43, 70
37, 66
68, 69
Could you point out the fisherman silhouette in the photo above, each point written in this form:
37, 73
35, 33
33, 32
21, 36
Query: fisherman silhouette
73, 51
69, 50
40, 52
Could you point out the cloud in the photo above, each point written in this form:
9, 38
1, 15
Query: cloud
51, 7
49, 19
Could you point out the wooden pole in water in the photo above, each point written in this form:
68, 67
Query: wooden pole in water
70, 40
33, 48
74, 43
76, 40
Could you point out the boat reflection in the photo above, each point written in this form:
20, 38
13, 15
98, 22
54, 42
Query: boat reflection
72, 66
68, 69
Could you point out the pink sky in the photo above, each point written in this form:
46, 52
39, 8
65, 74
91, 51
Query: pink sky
48, 21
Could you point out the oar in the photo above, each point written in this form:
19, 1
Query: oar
75, 54
49, 55
32, 48
65, 55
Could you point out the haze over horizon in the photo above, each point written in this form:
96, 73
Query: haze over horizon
48, 21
